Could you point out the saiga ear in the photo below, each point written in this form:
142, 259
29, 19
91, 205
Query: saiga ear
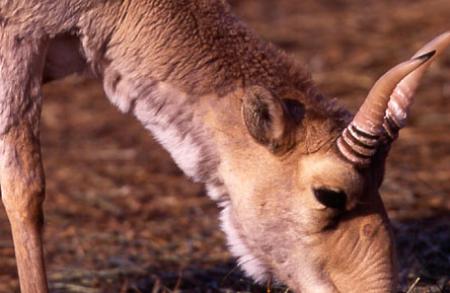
269, 120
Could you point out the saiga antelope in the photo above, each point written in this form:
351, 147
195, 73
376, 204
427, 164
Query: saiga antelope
297, 176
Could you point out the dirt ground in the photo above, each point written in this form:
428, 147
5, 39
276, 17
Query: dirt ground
121, 217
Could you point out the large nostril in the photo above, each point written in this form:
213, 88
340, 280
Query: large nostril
370, 230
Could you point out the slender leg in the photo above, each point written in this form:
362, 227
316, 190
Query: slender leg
21, 173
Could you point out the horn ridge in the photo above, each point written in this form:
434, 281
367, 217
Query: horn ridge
391, 126
350, 153
358, 146
370, 138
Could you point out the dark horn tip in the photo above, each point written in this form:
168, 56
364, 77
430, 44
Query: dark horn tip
426, 56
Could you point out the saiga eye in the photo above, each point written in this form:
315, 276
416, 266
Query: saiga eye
334, 199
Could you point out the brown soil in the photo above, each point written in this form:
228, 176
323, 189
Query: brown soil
121, 217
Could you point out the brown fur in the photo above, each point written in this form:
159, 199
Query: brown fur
264, 135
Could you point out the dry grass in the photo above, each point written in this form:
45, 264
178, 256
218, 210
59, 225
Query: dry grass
120, 216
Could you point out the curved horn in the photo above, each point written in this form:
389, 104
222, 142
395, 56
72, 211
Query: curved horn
359, 140
402, 97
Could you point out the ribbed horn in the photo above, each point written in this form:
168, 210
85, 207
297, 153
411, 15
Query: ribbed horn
358, 142
403, 94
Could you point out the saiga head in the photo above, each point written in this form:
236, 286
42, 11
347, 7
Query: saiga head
305, 205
